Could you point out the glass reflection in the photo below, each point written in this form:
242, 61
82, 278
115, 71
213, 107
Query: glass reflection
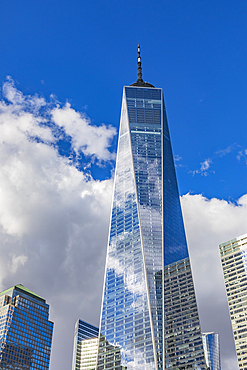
146, 236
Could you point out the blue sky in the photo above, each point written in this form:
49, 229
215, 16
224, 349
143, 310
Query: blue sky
76, 56
84, 52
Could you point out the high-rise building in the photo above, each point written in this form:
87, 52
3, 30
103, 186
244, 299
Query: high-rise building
211, 346
234, 263
149, 308
85, 346
25, 331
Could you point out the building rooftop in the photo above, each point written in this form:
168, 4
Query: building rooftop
25, 290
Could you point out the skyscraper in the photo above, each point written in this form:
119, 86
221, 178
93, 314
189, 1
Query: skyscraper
234, 264
25, 331
211, 346
85, 346
149, 308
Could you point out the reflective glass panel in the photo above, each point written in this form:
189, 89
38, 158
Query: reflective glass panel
146, 238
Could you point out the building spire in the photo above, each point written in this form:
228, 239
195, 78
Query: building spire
139, 70
140, 81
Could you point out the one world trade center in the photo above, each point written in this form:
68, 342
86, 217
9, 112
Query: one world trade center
149, 316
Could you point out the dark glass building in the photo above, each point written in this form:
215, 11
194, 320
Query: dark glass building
25, 330
149, 307
211, 346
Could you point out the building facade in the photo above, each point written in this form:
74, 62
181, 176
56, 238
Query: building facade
234, 263
85, 346
25, 330
149, 308
211, 345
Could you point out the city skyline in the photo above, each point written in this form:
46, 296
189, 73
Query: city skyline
54, 216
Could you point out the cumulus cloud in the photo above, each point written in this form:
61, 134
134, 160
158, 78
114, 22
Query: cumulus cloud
32, 116
54, 221
92, 140
210, 222
53, 218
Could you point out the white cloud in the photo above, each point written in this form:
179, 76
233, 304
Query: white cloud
53, 218
223, 152
203, 168
92, 140
205, 165
16, 261
177, 157
54, 222
210, 222
242, 154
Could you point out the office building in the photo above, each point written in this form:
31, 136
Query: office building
149, 307
211, 347
234, 263
25, 330
85, 346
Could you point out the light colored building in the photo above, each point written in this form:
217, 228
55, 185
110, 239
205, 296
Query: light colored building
211, 345
234, 264
85, 354
85, 346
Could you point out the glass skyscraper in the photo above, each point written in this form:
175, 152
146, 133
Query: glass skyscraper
211, 346
85, 346
234, 263
25, 331
149, 311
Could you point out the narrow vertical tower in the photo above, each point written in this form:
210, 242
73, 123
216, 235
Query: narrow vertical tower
149, 317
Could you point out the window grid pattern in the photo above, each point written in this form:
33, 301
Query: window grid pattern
146, 235
211, 347
25, 332
144, 108
234, 264
85, 346
183, 339
125, 321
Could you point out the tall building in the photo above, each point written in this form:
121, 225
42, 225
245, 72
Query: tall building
234, 263
211, 346
149, 307
85, 346
25, 331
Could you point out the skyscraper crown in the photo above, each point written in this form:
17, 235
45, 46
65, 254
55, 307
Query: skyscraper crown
139, 81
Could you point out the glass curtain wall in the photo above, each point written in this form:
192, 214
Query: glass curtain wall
146, 241
211, 346
25, 330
